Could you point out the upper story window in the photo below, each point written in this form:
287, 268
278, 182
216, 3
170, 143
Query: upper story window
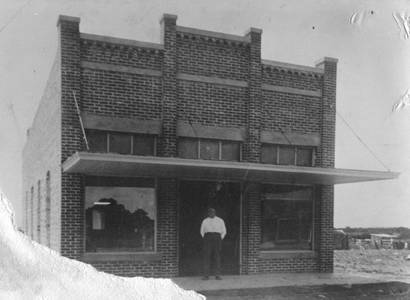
122, 143
288, 155
209, 149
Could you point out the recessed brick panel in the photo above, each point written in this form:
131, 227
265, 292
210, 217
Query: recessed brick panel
121, 94
291, 112
213, 105
216, 58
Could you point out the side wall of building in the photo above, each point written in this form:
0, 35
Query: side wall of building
41, 166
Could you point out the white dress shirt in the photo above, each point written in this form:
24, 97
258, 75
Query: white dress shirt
214, 224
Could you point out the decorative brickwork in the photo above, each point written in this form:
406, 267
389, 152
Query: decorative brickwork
121, 55
291, 78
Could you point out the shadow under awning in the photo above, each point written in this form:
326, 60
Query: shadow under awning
110, 164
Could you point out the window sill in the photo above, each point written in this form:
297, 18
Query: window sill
121, 256
268, 254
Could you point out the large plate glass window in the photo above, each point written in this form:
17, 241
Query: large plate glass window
287, 218
120, 214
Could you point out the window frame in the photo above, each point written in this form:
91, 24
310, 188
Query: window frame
313, 230
295, 148
132, 135
198, 145
120, 254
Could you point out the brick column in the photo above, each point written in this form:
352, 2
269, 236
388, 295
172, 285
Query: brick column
167, 228
169, 89
252, 144
167, 232
251, 228
72, 210
326, 153
326, 159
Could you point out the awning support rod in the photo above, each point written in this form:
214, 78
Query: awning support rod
81, 121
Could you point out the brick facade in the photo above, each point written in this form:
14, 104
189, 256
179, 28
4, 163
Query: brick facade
195, 76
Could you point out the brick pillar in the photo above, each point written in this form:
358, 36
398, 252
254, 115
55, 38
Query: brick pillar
251, 228
252, 144
167, 236
326, 153
167, 228
169, 90
326, 159
71, 136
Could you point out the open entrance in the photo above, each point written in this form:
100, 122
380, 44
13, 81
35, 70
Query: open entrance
195, 198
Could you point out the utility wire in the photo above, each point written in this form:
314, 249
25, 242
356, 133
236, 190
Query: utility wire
10, 106
361, 141
14, 16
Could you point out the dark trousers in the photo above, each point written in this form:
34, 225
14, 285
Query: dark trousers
212, 252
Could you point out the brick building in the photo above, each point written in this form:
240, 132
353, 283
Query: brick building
169, 129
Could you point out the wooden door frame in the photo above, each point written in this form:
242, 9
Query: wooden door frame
179, 219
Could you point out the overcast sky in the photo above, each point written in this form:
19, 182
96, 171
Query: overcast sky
373, 74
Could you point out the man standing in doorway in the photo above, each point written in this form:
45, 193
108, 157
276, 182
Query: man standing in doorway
213, 231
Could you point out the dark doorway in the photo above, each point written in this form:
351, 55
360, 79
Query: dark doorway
195, 198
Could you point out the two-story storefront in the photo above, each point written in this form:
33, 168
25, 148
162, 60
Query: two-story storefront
133, 141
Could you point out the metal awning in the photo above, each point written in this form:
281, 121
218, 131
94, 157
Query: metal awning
109, 164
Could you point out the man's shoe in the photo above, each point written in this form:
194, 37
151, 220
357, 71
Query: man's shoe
205, 278
218, 278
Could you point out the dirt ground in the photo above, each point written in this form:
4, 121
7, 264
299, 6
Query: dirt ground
371, 261
389, 268
379, 291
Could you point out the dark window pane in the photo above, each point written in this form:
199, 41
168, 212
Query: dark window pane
120, 219
287, 223
209, 149
286, 155
120, 143
230, 151
304, 157
97, 140
144, 145
188, 148
269, 154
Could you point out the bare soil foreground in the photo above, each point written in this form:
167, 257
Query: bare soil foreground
370, 291
391, 263
389, 269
